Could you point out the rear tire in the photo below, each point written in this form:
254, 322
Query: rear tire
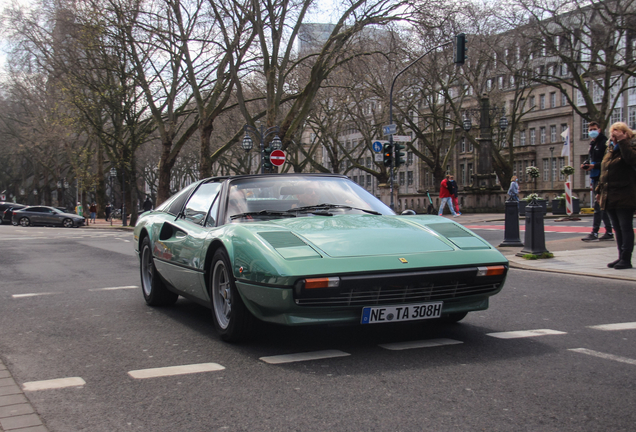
233, 321
25, 222
153, 288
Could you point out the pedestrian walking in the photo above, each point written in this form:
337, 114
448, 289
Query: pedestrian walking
79, 210
453, 191
616, 191
93, 211
513, 190
147, 206
598, 147
107, 211
445, 195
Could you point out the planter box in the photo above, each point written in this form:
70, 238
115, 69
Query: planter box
523, 204
558, 206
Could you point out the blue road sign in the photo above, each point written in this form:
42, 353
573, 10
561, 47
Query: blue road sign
390, 129
377, 146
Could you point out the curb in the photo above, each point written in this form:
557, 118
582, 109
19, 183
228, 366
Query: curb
16, 412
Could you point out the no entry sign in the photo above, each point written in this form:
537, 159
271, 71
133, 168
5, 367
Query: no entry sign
277, 157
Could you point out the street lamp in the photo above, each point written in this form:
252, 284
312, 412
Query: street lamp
262, 133
113, 174
551, 168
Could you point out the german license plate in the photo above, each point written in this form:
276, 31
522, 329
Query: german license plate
410, 312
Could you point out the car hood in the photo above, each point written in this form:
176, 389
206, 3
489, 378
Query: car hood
369, 235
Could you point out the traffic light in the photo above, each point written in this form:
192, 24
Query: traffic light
267, 163
388, 155
459, 53
399, 155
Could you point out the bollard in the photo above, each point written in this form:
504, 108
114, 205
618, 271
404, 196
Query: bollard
535, 233
511, 231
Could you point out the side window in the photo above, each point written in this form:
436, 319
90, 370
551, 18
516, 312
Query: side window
198, 205
177, 203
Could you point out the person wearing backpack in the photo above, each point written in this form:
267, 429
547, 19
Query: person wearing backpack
446, 197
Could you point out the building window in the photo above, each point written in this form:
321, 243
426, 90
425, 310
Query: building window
617, 115
564, 99
553, 100
525, 169
368, 162
470, 147
553, 135
584, 129
632, 117
554, 169
401, 178
470, 173
561, 165
531, 99
355, 179
546, 169
462, 145
533, 136
522, 138
368, 180
409, 177
409, 158
542, 135
542, 101
462, 174
564, 126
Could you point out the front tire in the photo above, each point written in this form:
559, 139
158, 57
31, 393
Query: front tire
25, 222
231, 318
153, 288
67, 223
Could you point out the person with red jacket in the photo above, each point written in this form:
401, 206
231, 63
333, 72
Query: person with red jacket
447, 198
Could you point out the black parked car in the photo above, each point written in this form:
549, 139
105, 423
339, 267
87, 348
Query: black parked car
6, 211
41, 215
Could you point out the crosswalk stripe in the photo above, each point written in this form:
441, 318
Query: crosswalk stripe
175, 370
114, 288
315, 355
604, 355
57, 383
525, 333
32, 294
397, 346
617, 326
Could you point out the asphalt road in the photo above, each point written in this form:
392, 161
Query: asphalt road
70, 308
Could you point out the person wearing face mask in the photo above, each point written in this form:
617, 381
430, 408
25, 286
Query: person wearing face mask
513, 190
598, 146
616, 191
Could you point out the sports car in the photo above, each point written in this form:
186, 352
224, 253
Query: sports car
300, 249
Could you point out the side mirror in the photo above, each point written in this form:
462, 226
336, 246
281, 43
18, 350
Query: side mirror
408, 213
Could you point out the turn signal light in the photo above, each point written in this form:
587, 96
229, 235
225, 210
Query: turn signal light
332, 282
491, 270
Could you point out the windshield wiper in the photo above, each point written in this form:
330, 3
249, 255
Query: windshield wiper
262, 213
325, 206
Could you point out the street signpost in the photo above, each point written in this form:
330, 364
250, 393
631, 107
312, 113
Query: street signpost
277, 157
402, 138
389, 129
377, 146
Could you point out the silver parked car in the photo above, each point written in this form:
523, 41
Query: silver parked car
42, 215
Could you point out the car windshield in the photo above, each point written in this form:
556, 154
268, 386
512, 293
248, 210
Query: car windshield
296, 196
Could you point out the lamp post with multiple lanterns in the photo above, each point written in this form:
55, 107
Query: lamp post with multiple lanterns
485, 176
262, 133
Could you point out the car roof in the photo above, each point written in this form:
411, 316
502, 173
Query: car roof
247, 176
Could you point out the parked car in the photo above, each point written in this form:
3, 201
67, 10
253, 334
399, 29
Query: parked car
43, 215
309, 249
6, 210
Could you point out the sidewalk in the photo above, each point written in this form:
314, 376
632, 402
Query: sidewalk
571, 256
102, 224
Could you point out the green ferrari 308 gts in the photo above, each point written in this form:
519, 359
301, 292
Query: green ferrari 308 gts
301, 249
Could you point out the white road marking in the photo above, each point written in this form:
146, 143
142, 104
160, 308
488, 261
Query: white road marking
604, 355
525, 333
114, 288
53, 384
397, 346
175, 370
32, 294
617, 326
315, 355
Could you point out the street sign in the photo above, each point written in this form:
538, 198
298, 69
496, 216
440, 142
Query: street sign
377, 146
3, 197
379, 157
402, 138
277, 157
390, 129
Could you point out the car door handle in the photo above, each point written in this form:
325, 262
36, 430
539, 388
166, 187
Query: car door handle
180, 235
